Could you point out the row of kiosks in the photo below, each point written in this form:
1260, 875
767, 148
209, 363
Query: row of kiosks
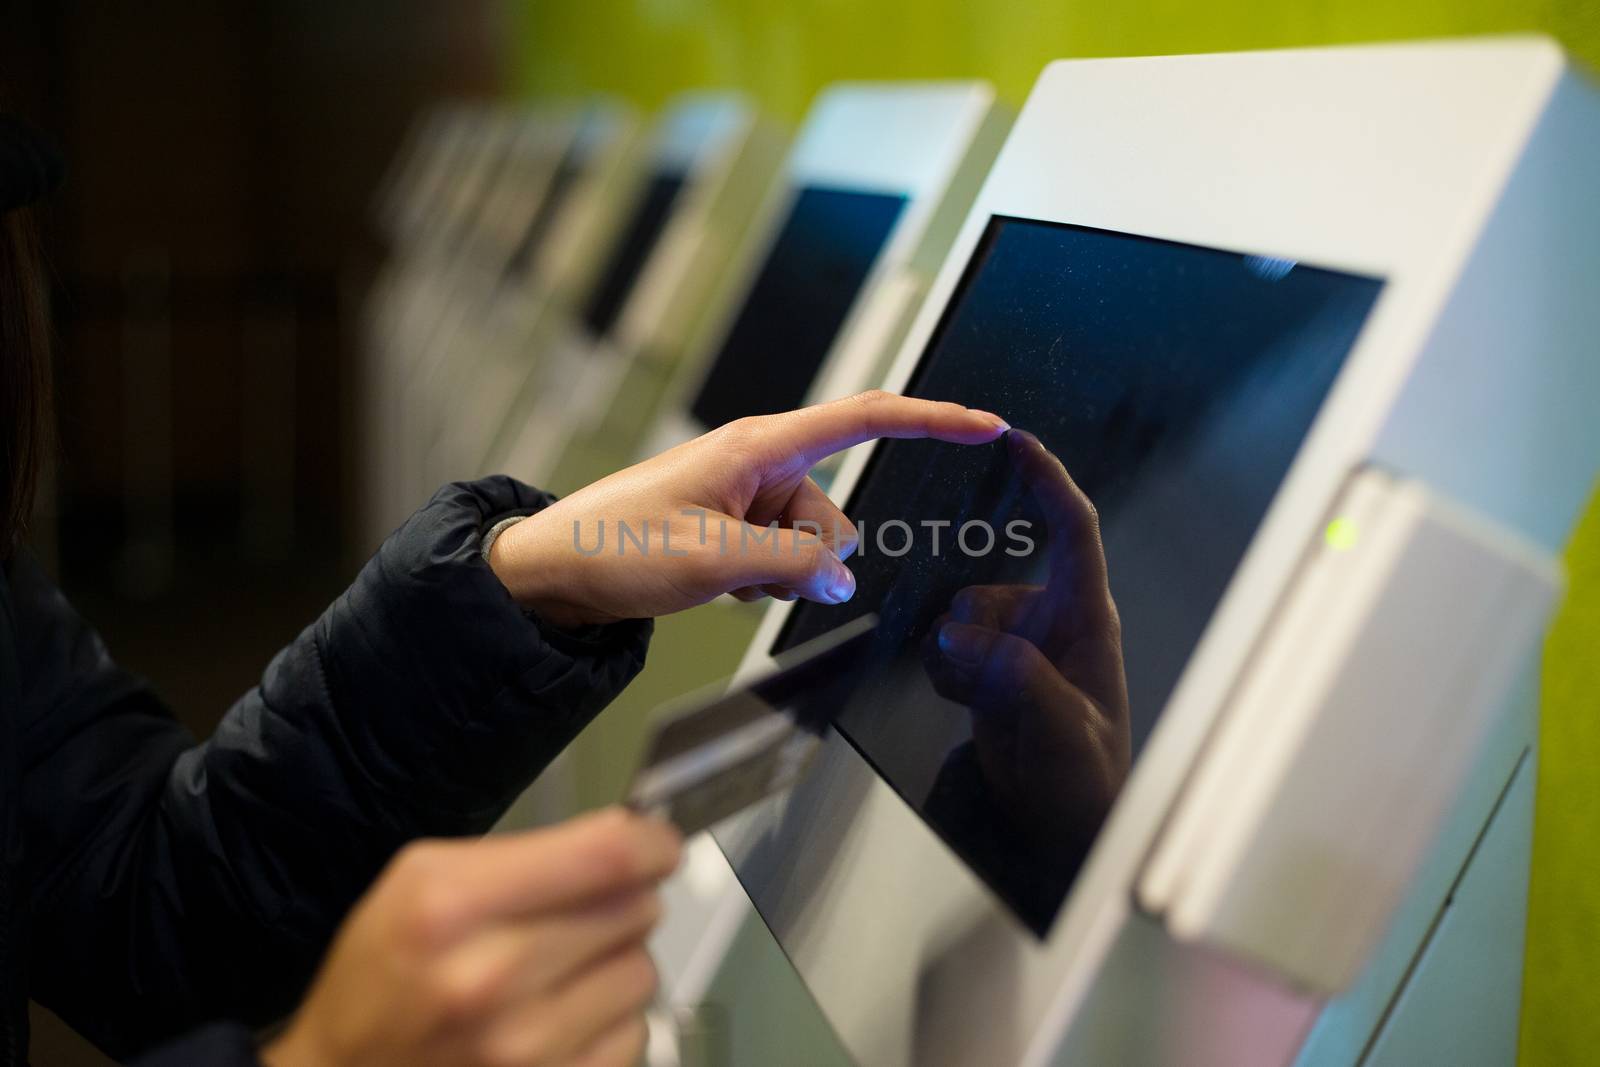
711, 161
1228, 757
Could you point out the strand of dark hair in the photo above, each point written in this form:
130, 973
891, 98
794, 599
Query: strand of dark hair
25, 378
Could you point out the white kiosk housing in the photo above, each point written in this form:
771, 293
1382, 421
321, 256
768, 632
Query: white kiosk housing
1315, 331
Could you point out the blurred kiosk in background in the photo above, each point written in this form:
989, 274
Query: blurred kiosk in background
407, 194
871, 197
707, 170
1314, 332
430, 197
452, 244
554, 264
530, 215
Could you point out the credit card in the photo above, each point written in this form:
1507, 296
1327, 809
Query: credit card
720, 753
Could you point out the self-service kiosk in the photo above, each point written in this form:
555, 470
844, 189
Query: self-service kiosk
1211, 743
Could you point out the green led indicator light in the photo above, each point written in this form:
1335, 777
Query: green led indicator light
1340, 534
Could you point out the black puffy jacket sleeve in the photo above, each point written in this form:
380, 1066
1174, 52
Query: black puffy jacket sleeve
175, 883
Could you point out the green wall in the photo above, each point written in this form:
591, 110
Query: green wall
1560, 1025
782, 51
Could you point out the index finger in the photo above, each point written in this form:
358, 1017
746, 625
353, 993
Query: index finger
817, 432
576, 863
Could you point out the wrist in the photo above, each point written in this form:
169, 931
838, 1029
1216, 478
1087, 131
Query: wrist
524, 554
293, 1048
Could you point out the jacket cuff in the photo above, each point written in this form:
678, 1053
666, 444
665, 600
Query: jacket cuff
591, 640
223, 1044
448, 672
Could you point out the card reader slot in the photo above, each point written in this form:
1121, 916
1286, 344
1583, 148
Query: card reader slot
1350, 734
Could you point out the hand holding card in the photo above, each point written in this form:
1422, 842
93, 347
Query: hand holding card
721, 753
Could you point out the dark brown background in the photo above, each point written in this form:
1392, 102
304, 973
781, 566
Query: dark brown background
216, 220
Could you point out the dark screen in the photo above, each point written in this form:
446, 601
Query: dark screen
1175, 385
800, 298
631, 252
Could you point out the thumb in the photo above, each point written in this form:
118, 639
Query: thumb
793, 559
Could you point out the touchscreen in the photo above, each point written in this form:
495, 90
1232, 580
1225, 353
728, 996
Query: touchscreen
799, 300
1040, 596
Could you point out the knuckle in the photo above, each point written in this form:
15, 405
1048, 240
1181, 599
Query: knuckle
538, 1044
630, 1047
651, 909
1113, 621
638, 979
1011, 655
494, 1053
414, 860
739, 432
612, 854
614, 821
531, 1048
1091, 514
809, 553
618, 861
429, 913
965, 604
460, 995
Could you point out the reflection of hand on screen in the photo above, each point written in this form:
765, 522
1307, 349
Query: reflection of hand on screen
1040, 668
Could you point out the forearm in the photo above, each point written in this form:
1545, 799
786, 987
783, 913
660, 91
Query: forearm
198, 882
216, 1045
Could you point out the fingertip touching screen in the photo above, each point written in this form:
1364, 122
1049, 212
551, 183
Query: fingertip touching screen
1040, 596
631, 251
800, 298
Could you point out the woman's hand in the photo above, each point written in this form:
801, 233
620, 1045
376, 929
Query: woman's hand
733, 511
524, 949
